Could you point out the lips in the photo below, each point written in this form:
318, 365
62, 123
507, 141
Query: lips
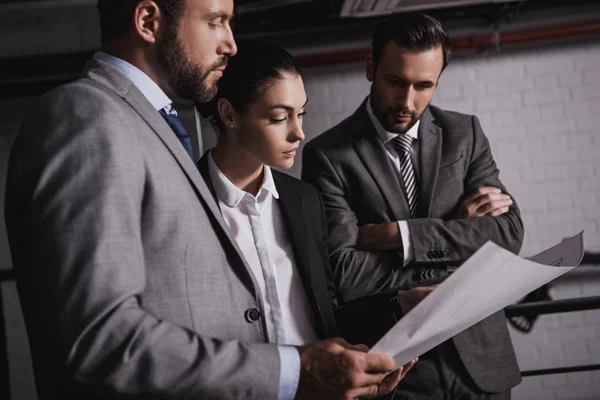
291, 152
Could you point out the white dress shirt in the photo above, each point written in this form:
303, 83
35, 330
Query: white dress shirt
257, 225
289, 358
147, 86
386, 138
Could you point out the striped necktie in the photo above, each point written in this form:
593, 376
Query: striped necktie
402, 144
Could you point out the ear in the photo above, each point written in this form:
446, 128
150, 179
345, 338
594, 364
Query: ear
147, 21
369, 71
227, 113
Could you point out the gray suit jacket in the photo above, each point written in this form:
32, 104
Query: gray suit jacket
130, 283
349, 166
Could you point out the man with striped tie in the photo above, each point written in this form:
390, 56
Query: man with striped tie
411, 191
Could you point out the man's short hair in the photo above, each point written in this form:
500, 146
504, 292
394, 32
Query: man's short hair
116, 15
415, 31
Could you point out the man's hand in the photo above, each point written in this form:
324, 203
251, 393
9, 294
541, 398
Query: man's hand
385, 236
485, 201
335, 369
408, 299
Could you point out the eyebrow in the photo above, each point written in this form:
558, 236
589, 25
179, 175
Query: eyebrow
287, 107
218, 14
404, 80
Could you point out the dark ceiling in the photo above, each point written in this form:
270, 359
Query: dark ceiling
307, 24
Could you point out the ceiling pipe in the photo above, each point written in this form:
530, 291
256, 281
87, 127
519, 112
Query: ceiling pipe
474, 43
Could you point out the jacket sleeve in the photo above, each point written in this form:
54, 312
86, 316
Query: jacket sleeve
461, 238
357, 273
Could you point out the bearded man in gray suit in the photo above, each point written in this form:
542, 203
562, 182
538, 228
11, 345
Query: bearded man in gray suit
131, 284
411, 191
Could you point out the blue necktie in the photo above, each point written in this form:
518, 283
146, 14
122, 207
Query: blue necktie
179, 130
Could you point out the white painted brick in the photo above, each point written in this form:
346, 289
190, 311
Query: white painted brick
503, 116
570, 320
497, 88
498, 68
592, 212
526, 115
464, 106
545, 82
459, 72
553, 381
492, 103
570, 79
557, 172
473, 90
585, 199
585, 93
552, 112
580, 140
559, 219
559, 202
450, 92
578, 392
521, 84
589, 183
547, 128
591, 77
587, 60
549, 96
593, 317
546, 63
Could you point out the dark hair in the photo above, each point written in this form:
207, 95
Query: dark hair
415, 31
116, 15
256, 65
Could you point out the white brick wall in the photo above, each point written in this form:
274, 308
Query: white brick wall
541, 111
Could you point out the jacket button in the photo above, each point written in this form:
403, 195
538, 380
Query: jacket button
446, 253
430, 254
252, 315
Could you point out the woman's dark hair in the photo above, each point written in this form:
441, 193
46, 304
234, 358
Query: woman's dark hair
415, 31
116, 15
256, 65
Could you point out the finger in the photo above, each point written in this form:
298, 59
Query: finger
408, 366
490, 198
368, 392
490, 206
390, 381
361, 380
376, 362
498, 211
361, 347
482, 191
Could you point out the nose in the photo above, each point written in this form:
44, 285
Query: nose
229, 47
297, 134
406, 97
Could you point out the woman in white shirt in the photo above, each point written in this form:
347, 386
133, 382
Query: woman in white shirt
278, 222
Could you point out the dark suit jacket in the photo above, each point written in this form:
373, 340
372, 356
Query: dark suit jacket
306, 227
349, 166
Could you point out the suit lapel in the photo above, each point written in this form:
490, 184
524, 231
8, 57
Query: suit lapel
375, 159
107, 76
430, 152
290, 205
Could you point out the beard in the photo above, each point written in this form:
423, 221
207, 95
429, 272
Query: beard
388, 117
189, 80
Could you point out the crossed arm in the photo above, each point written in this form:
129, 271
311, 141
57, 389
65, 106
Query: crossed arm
367, 259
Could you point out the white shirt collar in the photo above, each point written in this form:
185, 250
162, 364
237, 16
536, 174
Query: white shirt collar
384, 135
231, 195
147, 86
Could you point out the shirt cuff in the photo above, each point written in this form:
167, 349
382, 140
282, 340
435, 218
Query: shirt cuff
406, 242
289, 372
